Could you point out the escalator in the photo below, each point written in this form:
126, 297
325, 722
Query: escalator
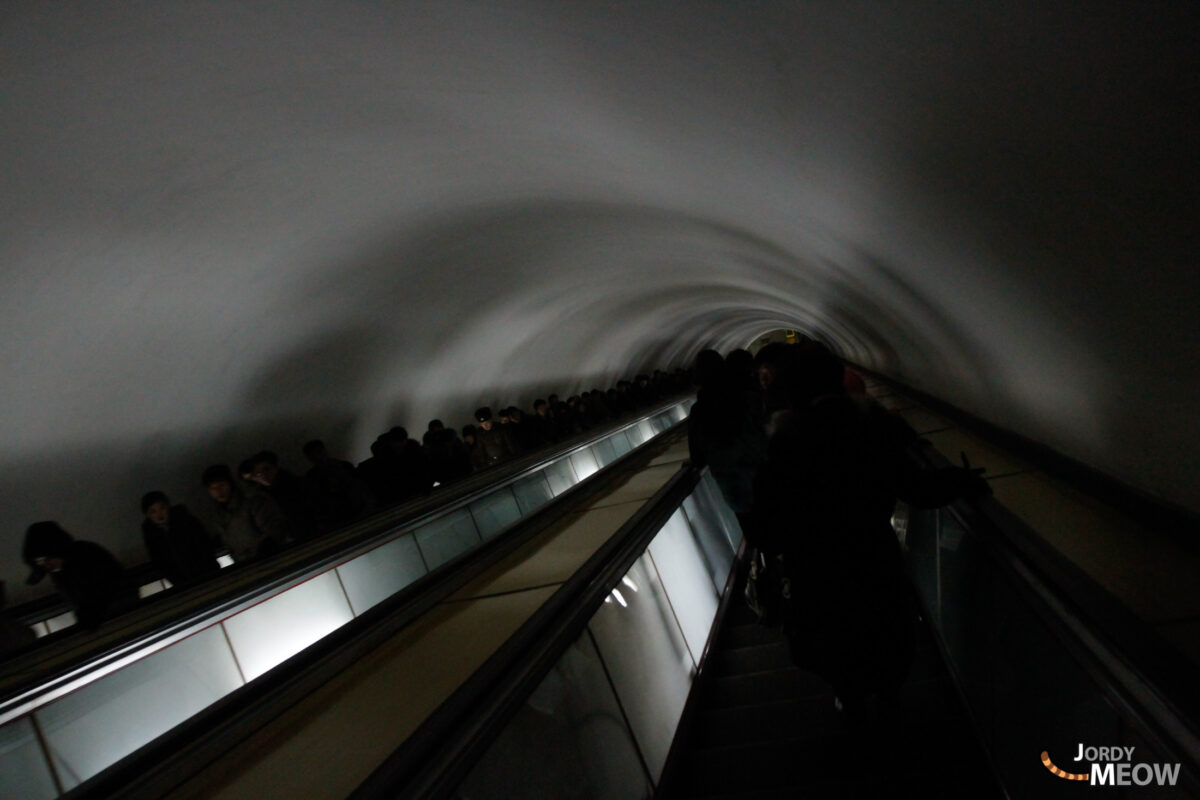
759, 727
633, 671
73, 708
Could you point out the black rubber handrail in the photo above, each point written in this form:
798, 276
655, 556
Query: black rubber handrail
438, 756
167, 613
1170, 519
1140, 673
164, 763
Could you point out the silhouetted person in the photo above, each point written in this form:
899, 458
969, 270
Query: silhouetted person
339, 494
84, 573
541, 425
740, 365
470, 438
494, 442
449, 459
824, 499
526, 436
178, 544
725, 431
292, 494
566, 424
380, 472
247, 520
413, 474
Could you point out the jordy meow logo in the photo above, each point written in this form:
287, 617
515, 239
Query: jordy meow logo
1114, 766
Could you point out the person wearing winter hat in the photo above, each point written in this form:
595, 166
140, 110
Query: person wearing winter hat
495, 443
85, 573
177, 542
248, 521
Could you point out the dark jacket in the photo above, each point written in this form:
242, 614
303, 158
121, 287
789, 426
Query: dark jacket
725, 434
182, 552
93, 583
824, 499
340, 495
298, 504
449, 458
251, 524
494, 446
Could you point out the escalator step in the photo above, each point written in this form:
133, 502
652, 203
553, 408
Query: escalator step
770, 765
761, 688
752, 658
809, 718
747, 634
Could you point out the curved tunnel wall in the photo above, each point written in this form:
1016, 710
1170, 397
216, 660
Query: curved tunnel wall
231, 225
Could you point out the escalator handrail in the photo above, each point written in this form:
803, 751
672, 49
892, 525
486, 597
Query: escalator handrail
438, 756
36, 677
1135, 667
165, 762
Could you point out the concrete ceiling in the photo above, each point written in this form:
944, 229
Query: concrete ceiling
228, 225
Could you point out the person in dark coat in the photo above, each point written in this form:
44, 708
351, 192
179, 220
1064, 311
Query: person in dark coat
824, 498
494, 442
725, 431
340, 495
449, 458
413, 473
86, 574
470, 438
541, 425
248, 521
294, 497
528, 436
178, 544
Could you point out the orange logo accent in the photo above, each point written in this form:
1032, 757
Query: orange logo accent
1071, 776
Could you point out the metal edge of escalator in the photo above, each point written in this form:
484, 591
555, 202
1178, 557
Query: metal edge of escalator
201, 603
166, 762
670, 780
1140, 673
437, 757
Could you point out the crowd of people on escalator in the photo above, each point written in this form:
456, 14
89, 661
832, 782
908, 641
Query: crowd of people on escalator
813, 468
263, 508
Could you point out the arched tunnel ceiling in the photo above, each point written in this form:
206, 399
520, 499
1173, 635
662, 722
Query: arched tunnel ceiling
228, 225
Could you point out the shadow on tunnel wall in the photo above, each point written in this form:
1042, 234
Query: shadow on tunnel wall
514, 271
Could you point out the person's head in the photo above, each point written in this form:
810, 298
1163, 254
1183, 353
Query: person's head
218, 482
776, 363
45, 549
740, 366
468, 434
157, 508
436, 425
484, 417
315, 451
398, 434
514, 415
709, 369
820, 372
264, 468
552, 400
540, 407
